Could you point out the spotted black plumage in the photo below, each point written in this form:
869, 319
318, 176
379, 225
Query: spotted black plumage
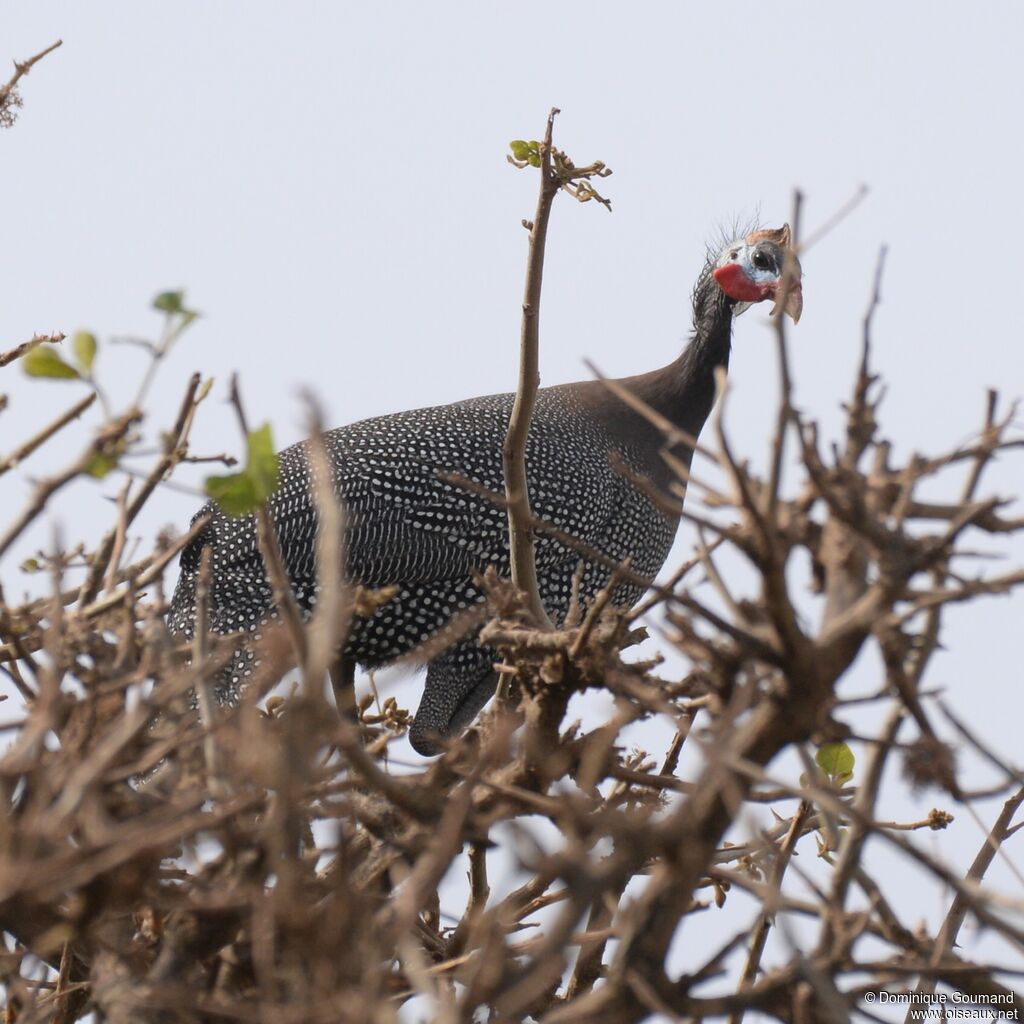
406, 526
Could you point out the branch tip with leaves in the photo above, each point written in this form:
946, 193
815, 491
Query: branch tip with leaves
557, 172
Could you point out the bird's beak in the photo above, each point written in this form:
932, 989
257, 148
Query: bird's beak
794, 300
790, 289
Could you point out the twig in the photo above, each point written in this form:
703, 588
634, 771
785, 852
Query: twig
21, 69
173, 443
204, 692
24, 450
950, 929
270, 548
120, 533
840, 215
673, 434
48, 487
786, 412
760, 936
328, 630
26, 346
513, 451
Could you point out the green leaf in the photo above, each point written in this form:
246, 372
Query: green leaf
836, 760
170, 302
526, 152
520, 149
101, 464
83, 344
235, 493
261, 464
30, 565
43, 361
240, 494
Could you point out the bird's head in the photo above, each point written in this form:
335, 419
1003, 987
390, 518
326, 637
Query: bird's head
751, 269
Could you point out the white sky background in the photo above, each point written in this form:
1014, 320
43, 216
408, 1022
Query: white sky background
328, 182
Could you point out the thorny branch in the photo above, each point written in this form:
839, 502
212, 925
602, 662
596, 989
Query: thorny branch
26, 346
9, 98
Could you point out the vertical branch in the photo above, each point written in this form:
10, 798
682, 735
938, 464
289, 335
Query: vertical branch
513, 452
760, 935
204, 692
329, 627
277, 574
557, 172
273, 561
950, 929
785, 415
843, 552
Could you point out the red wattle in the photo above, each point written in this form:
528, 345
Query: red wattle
734, 282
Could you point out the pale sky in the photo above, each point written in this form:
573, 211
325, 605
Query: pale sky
328, 182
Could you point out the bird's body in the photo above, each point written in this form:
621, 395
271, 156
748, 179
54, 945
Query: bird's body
409, 526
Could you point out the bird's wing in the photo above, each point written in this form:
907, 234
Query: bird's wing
404, 522
408, 521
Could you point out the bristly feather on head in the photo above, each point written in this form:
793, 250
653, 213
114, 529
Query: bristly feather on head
725, 233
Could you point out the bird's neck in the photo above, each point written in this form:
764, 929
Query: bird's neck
684, 391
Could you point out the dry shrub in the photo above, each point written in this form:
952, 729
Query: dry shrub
270, 863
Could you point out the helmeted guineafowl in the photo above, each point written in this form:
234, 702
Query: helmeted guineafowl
408, 528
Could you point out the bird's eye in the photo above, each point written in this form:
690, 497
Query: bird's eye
761, 260
735, 254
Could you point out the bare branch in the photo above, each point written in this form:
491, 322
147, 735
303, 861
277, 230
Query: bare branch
513, 453
26, 346
24, 450
8, 93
